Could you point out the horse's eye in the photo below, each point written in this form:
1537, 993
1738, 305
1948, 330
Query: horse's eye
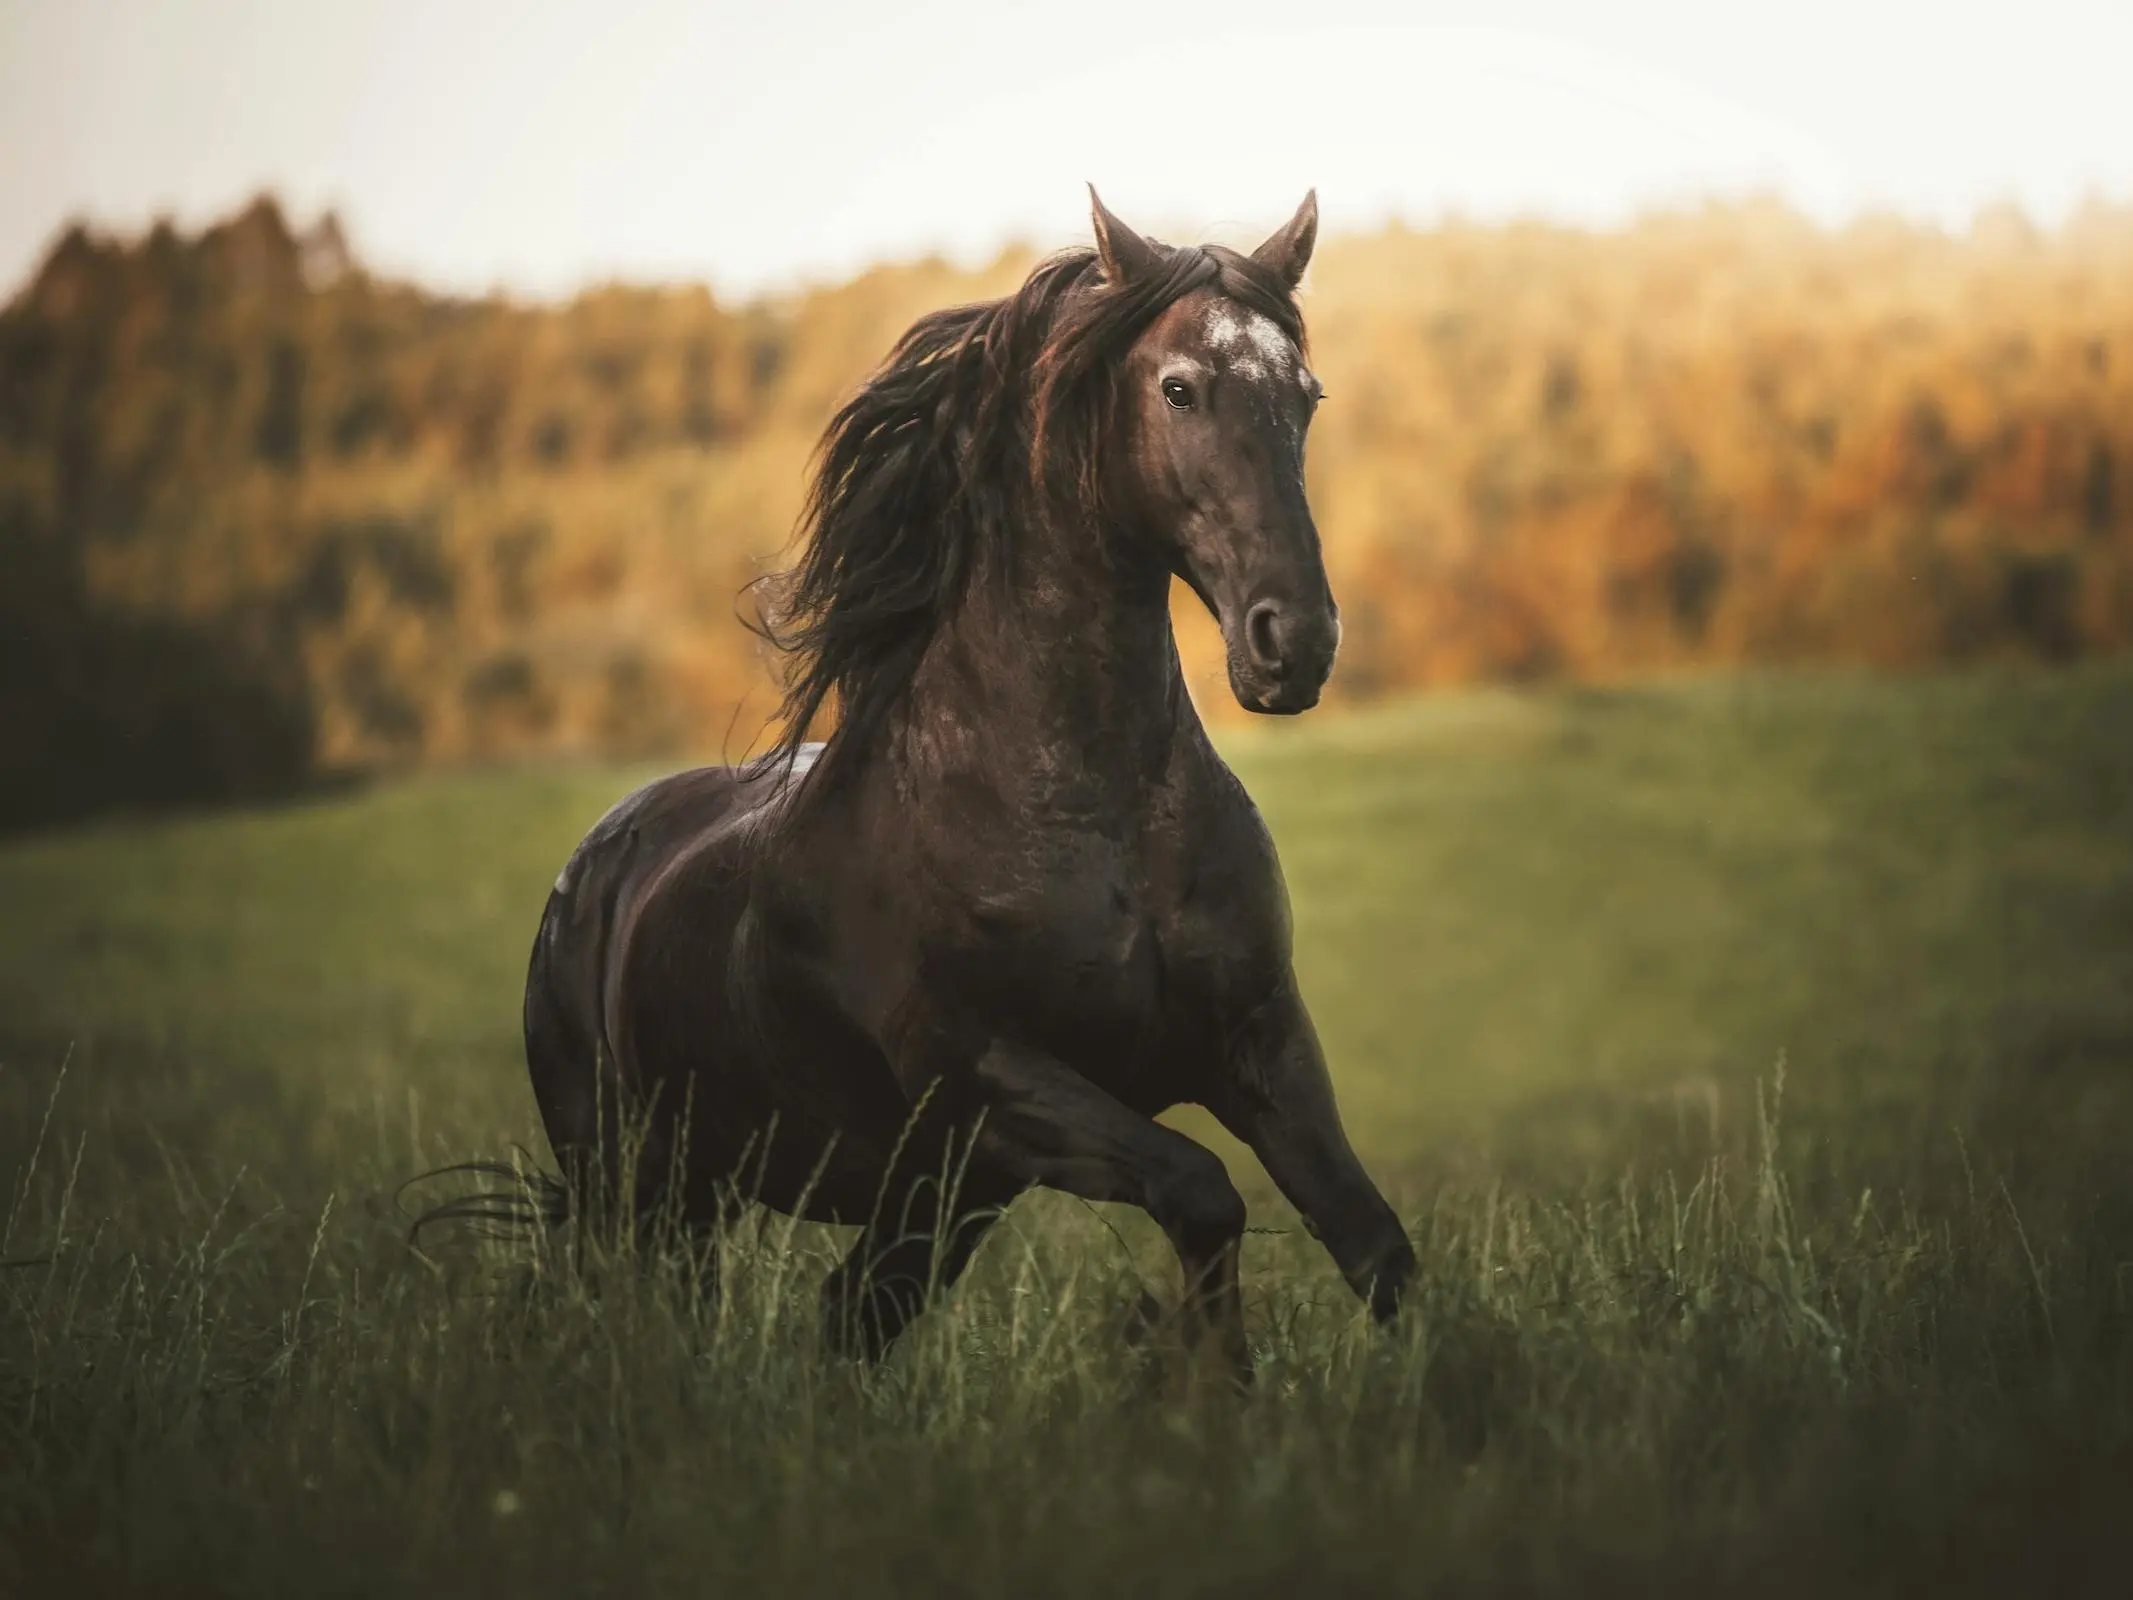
1175, 391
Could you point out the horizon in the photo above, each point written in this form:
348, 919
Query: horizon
1691, 209
540, 156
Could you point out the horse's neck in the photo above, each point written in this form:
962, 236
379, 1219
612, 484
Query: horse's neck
1066, 665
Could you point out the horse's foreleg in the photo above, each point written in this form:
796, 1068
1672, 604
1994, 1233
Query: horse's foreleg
1278, 1099
915, 1248
1043, 1123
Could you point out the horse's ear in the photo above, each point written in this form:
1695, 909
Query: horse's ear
1288, 249
1125, 254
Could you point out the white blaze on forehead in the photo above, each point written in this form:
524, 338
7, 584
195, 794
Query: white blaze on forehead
1224, 331
1267, 339
1260, 345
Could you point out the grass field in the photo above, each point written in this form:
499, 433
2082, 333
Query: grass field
1672, 1334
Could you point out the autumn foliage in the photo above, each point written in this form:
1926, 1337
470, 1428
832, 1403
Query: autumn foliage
265, 516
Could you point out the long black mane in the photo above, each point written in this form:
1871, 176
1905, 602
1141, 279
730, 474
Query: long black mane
984, 420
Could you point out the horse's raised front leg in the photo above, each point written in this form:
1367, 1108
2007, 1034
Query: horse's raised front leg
1278, 1099
1044, 1123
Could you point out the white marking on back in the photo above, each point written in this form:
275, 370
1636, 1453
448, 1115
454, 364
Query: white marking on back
611, 821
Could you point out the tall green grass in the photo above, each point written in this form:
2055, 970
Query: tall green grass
1687, 1318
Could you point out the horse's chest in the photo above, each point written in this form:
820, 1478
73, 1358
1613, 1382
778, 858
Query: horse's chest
1109, 947
1068, 937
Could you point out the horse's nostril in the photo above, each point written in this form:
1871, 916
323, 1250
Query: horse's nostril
1262, 633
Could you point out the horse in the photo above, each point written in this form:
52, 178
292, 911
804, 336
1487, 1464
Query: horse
1014, 905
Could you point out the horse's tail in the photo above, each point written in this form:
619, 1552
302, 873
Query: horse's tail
535, 1204
530, 1203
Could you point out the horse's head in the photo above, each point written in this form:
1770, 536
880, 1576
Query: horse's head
1214, 405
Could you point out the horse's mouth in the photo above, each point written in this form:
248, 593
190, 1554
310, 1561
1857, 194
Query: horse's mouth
1280, 697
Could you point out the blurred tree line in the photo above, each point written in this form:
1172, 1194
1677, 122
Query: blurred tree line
266, 518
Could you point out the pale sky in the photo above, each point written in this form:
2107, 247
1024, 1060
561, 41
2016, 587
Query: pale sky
536, 146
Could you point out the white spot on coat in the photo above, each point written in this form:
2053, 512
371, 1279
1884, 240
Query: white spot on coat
1269, 340
1260, 348
610, 822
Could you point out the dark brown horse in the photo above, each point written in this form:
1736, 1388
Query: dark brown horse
1015, 905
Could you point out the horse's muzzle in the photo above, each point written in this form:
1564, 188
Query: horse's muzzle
1282, 656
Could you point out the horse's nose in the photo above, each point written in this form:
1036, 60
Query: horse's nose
1263, 636
1284, 640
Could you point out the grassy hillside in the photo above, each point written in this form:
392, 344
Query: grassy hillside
1557, 943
